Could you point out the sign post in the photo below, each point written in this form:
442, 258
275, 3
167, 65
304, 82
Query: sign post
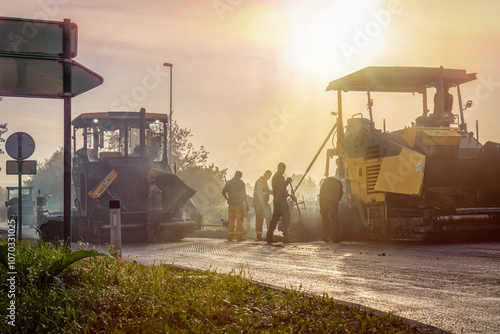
67, 129
36, 61
20, 146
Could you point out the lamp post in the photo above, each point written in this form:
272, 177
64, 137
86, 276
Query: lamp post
170, 117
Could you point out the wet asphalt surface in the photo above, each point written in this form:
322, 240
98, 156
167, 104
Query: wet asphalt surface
455, 287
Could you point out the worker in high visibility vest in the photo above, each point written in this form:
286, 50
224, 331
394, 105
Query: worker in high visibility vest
261, 195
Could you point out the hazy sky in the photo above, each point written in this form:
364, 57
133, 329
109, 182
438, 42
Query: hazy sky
249, 76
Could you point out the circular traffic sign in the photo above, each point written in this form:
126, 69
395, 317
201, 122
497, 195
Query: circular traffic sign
20, 145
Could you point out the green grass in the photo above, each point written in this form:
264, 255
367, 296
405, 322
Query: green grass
108, 295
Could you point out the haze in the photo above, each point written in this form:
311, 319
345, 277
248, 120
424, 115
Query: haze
249, 77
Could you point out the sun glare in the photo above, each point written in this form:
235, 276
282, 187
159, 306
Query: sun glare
320, 33
270, 29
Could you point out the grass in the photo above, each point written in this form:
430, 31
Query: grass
108, 295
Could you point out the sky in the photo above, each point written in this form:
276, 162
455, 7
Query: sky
249, 76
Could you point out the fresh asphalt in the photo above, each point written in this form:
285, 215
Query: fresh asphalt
454, 287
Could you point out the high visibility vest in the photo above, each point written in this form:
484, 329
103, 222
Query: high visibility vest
265, 195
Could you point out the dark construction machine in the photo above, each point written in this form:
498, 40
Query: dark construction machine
28, 209
49, 224
433, 178
115, 154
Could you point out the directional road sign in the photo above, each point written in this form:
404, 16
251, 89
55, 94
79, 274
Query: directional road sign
34, 37
43, 78
36, 61
20, 145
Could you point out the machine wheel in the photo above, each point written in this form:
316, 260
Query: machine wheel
75, 227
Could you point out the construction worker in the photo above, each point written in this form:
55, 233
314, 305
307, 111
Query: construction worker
261, 203
154, 211
235, 194
330, 194
446, 118
447, 100
280, 203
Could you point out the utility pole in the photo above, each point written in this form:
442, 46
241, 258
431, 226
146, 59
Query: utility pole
170, 116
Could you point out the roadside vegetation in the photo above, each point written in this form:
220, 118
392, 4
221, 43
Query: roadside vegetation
102, 294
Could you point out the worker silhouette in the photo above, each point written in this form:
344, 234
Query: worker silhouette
261, 203
447, 101
235, 194
280, 203
330, 194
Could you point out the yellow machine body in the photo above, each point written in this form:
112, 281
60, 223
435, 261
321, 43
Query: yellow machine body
432, 176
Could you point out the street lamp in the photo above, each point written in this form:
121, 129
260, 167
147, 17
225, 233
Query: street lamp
170, 117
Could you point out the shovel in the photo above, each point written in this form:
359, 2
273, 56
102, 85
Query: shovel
303, 232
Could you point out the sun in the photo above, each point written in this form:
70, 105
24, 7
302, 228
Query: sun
320, 33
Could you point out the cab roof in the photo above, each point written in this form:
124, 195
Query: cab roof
399, 79
87, 118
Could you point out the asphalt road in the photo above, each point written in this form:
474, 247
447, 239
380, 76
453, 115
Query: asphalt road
455, 287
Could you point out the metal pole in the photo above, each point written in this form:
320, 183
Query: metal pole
20, 187
142, 133
165, 131
424, 95
463, 125
372, 125
170, 116
170, 120
477, 131
317, 154
67, 129
340, 125
439, 91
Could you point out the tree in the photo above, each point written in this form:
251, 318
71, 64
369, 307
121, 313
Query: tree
49, 179
184, 155
193, 167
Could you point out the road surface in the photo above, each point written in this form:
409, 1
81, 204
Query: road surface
455, 287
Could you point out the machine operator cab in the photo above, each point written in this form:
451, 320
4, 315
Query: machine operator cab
108, 135
413, 80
